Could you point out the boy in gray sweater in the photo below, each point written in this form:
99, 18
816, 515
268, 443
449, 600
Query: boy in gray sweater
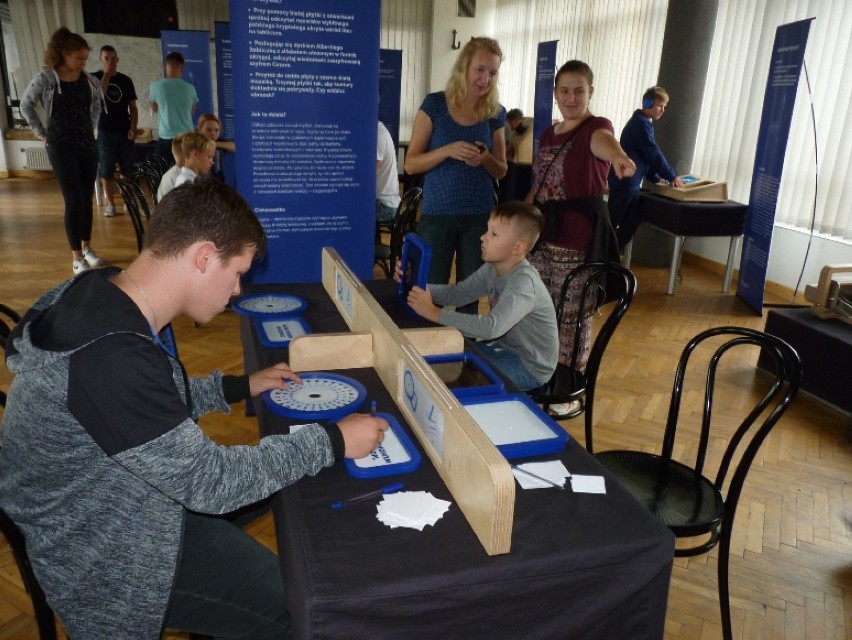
521, 332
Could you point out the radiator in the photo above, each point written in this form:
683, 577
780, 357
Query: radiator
37, 160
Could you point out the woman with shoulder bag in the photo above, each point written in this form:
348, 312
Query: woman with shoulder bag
569, 180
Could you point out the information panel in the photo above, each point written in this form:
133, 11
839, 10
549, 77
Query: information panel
390, 90
194, 46
788, 54
545, 70
225, 97
306, 73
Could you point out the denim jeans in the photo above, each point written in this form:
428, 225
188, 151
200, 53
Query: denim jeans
115, 148
624, 214
76, 169
227, 585
163, 148
510, 364
454, 236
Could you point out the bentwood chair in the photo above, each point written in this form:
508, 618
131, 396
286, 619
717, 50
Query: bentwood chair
157, 162
404, 221
682, 497
583, 288
8, 319
134, 202
148, 178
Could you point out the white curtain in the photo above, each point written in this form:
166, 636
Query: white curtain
733, 102
620, 39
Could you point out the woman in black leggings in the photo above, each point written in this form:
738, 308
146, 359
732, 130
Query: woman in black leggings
71, 99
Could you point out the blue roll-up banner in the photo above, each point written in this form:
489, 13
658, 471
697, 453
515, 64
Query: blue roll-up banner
390, 90
307, 76
545, 69
194, 46
225, 97
788, 54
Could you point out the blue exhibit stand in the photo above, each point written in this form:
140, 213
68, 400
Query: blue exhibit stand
306, 73
788, 54
545, 69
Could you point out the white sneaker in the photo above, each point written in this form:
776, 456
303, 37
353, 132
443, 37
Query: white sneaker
80, 265
110, 211
564, 410
92, 258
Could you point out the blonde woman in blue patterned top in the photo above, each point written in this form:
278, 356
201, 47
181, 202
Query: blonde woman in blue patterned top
458, 142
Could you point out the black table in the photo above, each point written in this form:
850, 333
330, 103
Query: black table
825, 347
683, 219
581, 565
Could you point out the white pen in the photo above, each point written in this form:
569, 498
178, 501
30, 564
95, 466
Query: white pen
539, 478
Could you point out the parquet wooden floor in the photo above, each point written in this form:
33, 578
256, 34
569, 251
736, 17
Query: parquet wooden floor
791, 564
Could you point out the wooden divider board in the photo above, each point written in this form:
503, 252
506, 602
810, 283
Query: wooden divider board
477, 475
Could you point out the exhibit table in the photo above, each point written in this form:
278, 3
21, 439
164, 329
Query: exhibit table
580, 565
683, 219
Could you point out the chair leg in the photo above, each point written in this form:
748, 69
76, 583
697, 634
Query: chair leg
722, 570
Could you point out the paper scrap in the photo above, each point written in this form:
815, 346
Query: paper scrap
553, 470
412, 509
588, 484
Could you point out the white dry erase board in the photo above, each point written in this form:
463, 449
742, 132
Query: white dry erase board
276, 333
396, 454
516, 425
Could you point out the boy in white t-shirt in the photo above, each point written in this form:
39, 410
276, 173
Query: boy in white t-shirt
198, 152
387, 176
167, 182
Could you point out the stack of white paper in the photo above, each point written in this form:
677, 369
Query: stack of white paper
413, 509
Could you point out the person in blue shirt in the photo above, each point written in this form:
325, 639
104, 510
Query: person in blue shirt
637, 139
458, 142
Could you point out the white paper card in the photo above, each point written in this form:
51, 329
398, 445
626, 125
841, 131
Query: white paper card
588, 484
553, 470
412, 509
282, 330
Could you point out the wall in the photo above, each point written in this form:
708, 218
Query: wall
444, 20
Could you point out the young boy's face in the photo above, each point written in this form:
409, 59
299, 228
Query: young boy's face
203, 160
499, 241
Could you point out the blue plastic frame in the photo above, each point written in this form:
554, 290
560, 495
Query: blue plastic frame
330, 414
300, 307
421, 278
496, 382
543, 446
278, 344
390, 469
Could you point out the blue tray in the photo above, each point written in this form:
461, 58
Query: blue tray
396, 454
516, 425
277, 333
475, 377
415, 260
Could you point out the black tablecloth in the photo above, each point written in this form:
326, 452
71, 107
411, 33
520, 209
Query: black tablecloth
825, 347
580, 566
693, 218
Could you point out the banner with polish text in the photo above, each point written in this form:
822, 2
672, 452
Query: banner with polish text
788, 55
306, 77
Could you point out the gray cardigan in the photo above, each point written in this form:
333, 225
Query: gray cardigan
41, 90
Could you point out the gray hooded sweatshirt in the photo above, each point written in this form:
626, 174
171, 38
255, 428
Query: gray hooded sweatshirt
101, 456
